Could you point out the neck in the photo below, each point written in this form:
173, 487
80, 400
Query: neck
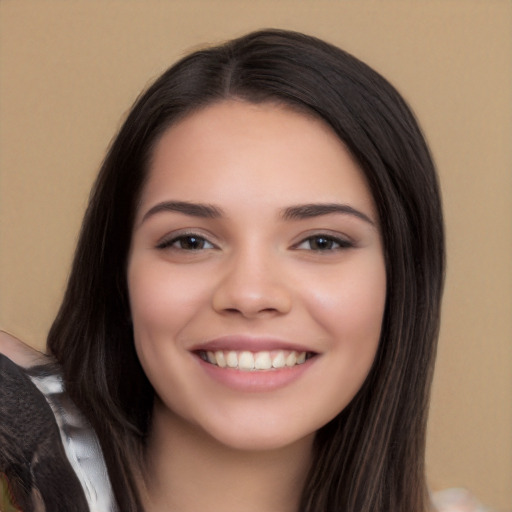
187, 470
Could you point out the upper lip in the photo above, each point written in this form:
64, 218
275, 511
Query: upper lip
249, 343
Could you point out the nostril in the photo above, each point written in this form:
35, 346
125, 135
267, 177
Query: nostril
246, 296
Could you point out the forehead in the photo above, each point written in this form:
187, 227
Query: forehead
260, 151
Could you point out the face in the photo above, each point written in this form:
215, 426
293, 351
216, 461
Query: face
256, 275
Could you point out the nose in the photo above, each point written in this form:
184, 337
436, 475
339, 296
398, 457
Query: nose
252, 285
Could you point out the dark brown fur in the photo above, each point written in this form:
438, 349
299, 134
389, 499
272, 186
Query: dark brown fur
31, 453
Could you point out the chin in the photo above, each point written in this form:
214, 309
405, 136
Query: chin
259, 436
263, 442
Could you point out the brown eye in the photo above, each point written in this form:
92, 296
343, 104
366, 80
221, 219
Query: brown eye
324, 243
186, 243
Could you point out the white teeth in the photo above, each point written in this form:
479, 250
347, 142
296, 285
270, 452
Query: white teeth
221, 360
279, 360
251, 361
246, 361
232, 359
291, 360
262, 361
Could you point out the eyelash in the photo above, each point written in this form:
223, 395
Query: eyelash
339, 243
170, 244
331, 243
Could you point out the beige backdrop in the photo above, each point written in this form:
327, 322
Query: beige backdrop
70, 69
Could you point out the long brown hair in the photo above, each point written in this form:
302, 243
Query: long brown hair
371, 456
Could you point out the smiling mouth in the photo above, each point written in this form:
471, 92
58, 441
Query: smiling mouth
245, 360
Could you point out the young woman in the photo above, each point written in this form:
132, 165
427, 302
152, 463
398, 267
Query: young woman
251, 318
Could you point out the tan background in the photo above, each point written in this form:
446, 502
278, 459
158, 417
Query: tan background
69, 70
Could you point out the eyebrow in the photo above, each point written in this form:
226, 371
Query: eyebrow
205, 211
298, 212
307, 211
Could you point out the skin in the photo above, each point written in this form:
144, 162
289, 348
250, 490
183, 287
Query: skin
259, 273
20, 353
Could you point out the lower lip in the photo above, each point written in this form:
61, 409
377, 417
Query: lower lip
255, 381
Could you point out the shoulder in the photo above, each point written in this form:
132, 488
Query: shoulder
456, 500
20, 353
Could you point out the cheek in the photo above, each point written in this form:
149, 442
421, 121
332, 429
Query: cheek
162, 301
350, 310
350, 306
